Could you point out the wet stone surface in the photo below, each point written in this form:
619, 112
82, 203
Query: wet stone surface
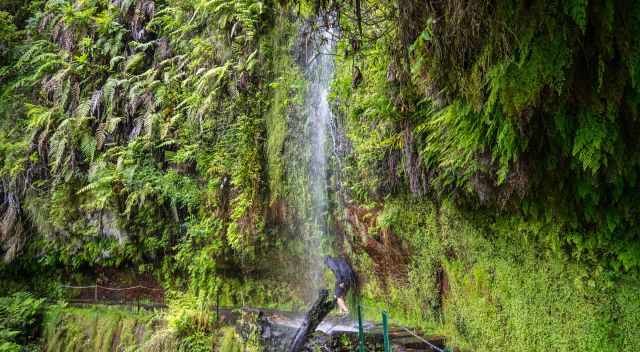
335, 334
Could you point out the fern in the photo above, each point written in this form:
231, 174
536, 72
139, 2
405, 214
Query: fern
88, 145
83, 108
58, 146
577, 9
133, 62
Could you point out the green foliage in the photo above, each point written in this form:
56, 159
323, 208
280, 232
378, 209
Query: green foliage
230, 341
20, 319
371, 126
7, 32
126, 128
186, 325
552, 133
99, 329
512, 106
192, 325
159, 135
188, 315
288, 92
504, 289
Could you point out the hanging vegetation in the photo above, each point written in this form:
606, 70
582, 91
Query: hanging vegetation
481, 169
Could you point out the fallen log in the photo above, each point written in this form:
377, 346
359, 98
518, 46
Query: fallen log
320, 309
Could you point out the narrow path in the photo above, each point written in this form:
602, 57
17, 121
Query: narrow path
402, 338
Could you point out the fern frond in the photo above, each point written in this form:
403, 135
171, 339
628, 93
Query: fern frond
94, 103
57, 147
133, 62
150, 121
112, 123
115, 61
137, 128
101, 135
83, 108
88, 146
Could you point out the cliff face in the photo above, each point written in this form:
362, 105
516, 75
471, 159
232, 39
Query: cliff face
481, 171
522, 108
133, 133
485, 143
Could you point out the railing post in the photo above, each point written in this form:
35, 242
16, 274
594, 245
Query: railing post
385, 332
95, 292
360, 330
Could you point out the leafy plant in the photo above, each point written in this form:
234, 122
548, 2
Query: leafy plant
20, 319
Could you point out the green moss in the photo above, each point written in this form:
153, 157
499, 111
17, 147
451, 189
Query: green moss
513, 106
230, 341
505, 289
68, 329
185, 326
286, 89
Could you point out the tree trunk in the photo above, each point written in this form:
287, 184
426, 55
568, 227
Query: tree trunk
312, 319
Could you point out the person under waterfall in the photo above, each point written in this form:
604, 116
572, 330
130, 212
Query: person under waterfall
345, 280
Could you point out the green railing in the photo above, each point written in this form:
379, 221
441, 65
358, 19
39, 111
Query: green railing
385, 332
360, 330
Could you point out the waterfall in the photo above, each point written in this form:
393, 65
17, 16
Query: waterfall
318, 133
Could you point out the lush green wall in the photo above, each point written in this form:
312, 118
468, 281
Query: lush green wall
183, 327
495, 140
526, 108
137, 135
490, 152
504, 290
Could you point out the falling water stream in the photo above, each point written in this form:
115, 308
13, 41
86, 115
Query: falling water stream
318, 130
